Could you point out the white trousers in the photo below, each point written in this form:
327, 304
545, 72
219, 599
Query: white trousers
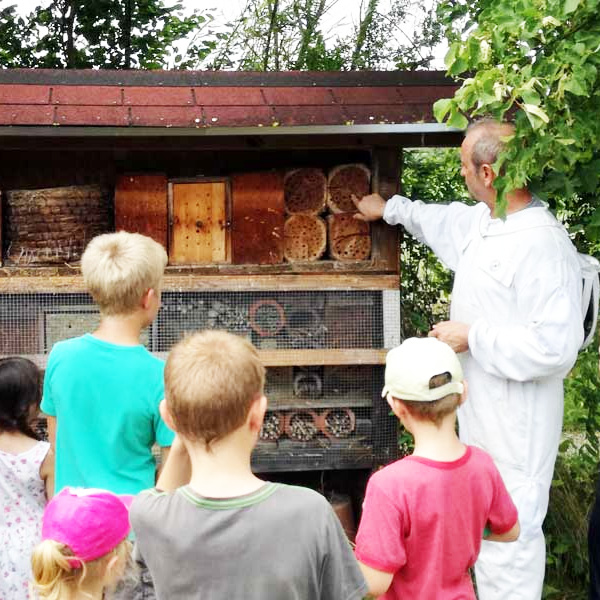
515, 570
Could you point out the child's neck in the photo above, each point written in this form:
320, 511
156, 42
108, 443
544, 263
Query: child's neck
15, 442
122, 330
88, 591
224, 471
437, 443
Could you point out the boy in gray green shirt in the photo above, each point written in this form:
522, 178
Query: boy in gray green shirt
227, 534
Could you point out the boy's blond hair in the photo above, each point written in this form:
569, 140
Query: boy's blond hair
211, 380
436, 410
119, 268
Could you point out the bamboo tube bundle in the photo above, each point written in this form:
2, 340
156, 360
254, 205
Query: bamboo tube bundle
227, 316
349, 238
305, 238
344, 182
337, 422
301, 426
272, 427
305, 191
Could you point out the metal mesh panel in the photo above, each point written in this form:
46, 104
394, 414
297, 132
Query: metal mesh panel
319, 417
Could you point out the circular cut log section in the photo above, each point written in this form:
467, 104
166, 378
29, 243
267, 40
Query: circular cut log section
344, 182
272, 427
305, 238
305, 191
301, 426
349, 238
337, 423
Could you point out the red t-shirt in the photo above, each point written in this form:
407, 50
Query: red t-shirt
423, 520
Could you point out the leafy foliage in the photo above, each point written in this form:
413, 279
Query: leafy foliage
111, 34
537, 61
433, 176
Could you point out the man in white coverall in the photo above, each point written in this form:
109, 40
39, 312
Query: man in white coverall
516, 318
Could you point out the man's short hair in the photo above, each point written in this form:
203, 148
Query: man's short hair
436, 410
488, 142
211, 380
118, 269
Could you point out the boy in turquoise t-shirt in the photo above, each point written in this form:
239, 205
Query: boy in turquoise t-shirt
102, 390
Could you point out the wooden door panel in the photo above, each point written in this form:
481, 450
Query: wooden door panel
141, 205
199, 230
257, 218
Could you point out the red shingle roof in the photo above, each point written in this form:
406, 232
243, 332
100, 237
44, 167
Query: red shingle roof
189, 99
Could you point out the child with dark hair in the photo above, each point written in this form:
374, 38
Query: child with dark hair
26, 474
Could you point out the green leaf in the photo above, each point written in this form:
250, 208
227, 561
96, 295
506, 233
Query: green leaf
441, 108
570, 6
457, 120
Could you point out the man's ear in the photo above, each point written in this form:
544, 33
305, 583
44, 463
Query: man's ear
165, 413
256, 414
487, 174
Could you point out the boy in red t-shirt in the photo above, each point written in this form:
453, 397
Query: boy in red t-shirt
424, 515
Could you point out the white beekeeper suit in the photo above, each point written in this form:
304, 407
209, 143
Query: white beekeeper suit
518, 285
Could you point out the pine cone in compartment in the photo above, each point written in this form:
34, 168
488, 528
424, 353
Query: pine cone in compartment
349, 238
344, 182
305, 191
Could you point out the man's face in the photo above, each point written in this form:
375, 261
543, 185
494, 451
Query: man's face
469, 171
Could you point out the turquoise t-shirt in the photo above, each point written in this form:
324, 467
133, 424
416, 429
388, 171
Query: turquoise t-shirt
105, 398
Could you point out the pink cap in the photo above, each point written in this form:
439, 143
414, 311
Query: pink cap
90, 522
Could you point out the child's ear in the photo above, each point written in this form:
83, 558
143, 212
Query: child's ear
257, 412
397, 407
166, 415
463, 396
149, 295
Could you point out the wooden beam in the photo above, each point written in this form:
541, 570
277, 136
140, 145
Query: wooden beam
289, 358
189, 281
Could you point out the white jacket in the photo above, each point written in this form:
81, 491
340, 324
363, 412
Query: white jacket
518, 285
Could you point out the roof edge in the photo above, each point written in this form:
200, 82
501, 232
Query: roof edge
159, 78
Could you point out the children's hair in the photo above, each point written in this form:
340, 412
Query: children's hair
118, 268
20, 390
211, 379
436, 410
53, 573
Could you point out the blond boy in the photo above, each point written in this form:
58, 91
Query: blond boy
102, 390
227, 533
424, 516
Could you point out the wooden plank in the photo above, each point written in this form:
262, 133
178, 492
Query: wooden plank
141, 205
290, 358
199, 224
257, 201
386, 181
48, 282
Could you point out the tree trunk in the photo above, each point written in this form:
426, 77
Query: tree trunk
312, 21
363, 29
272, 33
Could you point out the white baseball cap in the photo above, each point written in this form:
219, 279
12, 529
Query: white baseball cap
410, 366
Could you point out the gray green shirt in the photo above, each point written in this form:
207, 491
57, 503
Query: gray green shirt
278, 543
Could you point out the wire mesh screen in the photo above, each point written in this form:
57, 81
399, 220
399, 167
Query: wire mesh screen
319, 417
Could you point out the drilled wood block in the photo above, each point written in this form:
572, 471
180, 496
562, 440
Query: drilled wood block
141, 205
349, 238
344, 182
305, 238
257, 218
305, 191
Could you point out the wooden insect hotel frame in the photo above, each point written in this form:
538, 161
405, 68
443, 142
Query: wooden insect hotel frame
247, 180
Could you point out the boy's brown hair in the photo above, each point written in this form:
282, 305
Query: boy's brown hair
119, 268
437, 410
211, 380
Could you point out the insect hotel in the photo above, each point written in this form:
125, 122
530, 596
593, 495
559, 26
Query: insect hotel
247, 180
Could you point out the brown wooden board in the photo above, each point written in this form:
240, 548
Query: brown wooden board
199, 230
141, 205
257, 218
